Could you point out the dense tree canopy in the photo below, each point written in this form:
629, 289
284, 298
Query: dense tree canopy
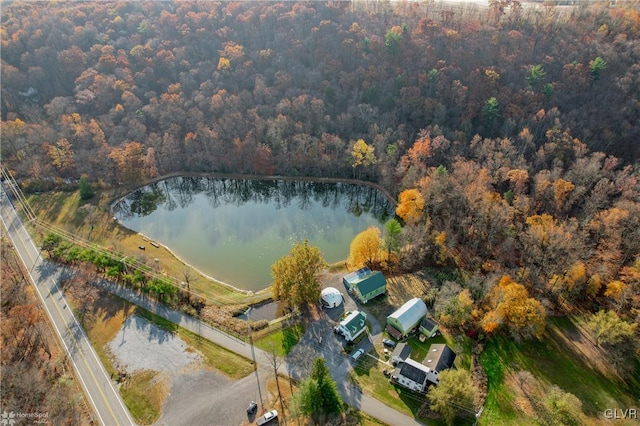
307, 88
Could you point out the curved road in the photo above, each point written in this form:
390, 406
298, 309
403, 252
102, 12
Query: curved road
106, 402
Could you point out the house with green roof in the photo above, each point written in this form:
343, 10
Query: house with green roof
367, 286
353, 325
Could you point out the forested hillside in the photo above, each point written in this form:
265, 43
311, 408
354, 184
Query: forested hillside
127, 91
511, 132
38, 381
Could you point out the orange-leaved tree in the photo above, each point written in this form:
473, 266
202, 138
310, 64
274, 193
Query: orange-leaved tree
513, 309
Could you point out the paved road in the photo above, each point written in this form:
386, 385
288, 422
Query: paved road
108, 406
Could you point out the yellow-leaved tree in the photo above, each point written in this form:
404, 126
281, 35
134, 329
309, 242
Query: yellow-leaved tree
365, 248
410, 205
295, 276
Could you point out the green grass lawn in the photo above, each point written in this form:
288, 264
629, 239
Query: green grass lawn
282, 340
550, 362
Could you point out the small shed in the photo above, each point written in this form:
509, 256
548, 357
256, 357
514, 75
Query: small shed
353, 325
331, 297
428, 327
369, 286
404, 320
353, 277
400, 353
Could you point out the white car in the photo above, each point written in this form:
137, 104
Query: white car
357, 354
267, 417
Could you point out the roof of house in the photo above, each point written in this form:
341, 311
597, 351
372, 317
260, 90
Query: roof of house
356, 275
370, 282
355, 321
401, 351
439, 357
414, 370
409, 314
428, 324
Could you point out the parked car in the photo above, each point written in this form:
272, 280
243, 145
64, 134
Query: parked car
357, 354
252, 408
389, 343
266, 418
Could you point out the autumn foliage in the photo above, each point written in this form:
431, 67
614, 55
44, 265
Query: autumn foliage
508, 134
512, 308
410, 205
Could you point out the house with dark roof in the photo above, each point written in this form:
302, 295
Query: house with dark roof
411, 375
439, 358
353, 325
428, 327
400, 353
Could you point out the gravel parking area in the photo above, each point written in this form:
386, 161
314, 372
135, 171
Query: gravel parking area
141, 345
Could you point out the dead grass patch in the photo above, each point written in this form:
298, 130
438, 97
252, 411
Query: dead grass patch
144, 393
526, 391
404, 287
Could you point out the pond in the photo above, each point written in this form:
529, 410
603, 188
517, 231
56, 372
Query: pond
233, 230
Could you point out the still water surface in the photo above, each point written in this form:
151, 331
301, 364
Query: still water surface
234, 229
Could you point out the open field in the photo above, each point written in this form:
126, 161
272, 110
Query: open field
541, 364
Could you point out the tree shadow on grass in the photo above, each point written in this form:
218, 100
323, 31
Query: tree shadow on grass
291, 336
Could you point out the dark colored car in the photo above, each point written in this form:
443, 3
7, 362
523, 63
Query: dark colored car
252, 408
389, 343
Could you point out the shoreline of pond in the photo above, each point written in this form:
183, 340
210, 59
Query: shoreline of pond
114, 201
380, 188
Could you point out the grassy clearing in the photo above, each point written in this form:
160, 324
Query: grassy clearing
230, 363
92, 220
550, 362
144, 394
282, 340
